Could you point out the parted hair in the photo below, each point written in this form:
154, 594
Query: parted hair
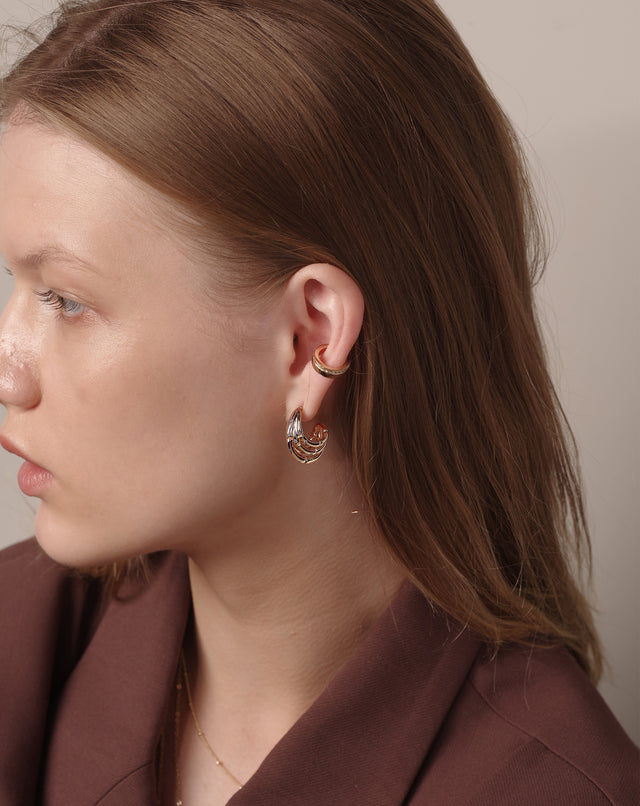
360, 133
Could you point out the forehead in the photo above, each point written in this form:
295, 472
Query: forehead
49, 179
59, 196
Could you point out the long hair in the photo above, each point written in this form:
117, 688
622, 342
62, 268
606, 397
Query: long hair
360, 133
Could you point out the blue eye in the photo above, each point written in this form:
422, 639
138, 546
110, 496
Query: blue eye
67, 307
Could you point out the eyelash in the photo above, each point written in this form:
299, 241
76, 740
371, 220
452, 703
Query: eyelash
67, 307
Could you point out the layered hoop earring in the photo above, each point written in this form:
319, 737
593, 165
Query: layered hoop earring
309, 449
303, 449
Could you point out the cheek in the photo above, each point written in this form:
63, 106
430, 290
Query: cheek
103, 392
140, 401
163, 441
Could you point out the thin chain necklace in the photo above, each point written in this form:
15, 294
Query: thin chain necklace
199, 731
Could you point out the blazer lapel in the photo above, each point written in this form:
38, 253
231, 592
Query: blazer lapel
112, 710
367, 736
363, 741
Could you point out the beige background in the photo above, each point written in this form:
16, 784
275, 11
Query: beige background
565, 73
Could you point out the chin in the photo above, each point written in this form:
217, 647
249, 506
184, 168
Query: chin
74, 545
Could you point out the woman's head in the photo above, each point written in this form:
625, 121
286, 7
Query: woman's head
359, 135
129, 384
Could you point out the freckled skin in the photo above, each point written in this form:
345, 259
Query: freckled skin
143, 403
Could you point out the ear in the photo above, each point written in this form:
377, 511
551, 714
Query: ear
323, 305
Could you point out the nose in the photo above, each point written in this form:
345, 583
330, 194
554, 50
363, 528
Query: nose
19, 386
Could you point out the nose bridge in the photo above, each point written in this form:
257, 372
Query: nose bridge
18, 376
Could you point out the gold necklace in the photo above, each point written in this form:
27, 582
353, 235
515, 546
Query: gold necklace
176, 739
199, 731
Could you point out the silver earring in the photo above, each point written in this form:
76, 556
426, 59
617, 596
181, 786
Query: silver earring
305, 450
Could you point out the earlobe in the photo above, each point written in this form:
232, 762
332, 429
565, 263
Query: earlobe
326, 309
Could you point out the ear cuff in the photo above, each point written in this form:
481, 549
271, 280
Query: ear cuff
322, 368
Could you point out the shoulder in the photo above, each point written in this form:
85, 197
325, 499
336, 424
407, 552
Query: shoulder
532, 729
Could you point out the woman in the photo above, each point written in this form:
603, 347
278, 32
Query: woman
229, 222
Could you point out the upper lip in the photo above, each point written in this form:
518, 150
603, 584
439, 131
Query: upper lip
10, 446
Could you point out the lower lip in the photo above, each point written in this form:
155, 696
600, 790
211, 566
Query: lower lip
33, 479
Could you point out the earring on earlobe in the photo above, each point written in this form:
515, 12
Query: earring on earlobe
322, 368
305, 450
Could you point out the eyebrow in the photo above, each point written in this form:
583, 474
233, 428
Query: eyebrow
52, 254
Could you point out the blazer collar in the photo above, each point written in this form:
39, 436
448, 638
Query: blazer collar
364, 740
367, 736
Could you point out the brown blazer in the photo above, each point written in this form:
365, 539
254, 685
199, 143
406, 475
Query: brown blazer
420, 715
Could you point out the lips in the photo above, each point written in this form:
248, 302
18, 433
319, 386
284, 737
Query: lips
33, 479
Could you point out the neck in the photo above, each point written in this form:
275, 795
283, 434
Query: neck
275, 619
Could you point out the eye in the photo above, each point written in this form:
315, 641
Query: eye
68, 308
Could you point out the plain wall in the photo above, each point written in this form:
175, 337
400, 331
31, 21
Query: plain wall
565, 72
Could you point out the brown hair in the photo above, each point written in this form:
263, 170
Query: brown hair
360, 133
